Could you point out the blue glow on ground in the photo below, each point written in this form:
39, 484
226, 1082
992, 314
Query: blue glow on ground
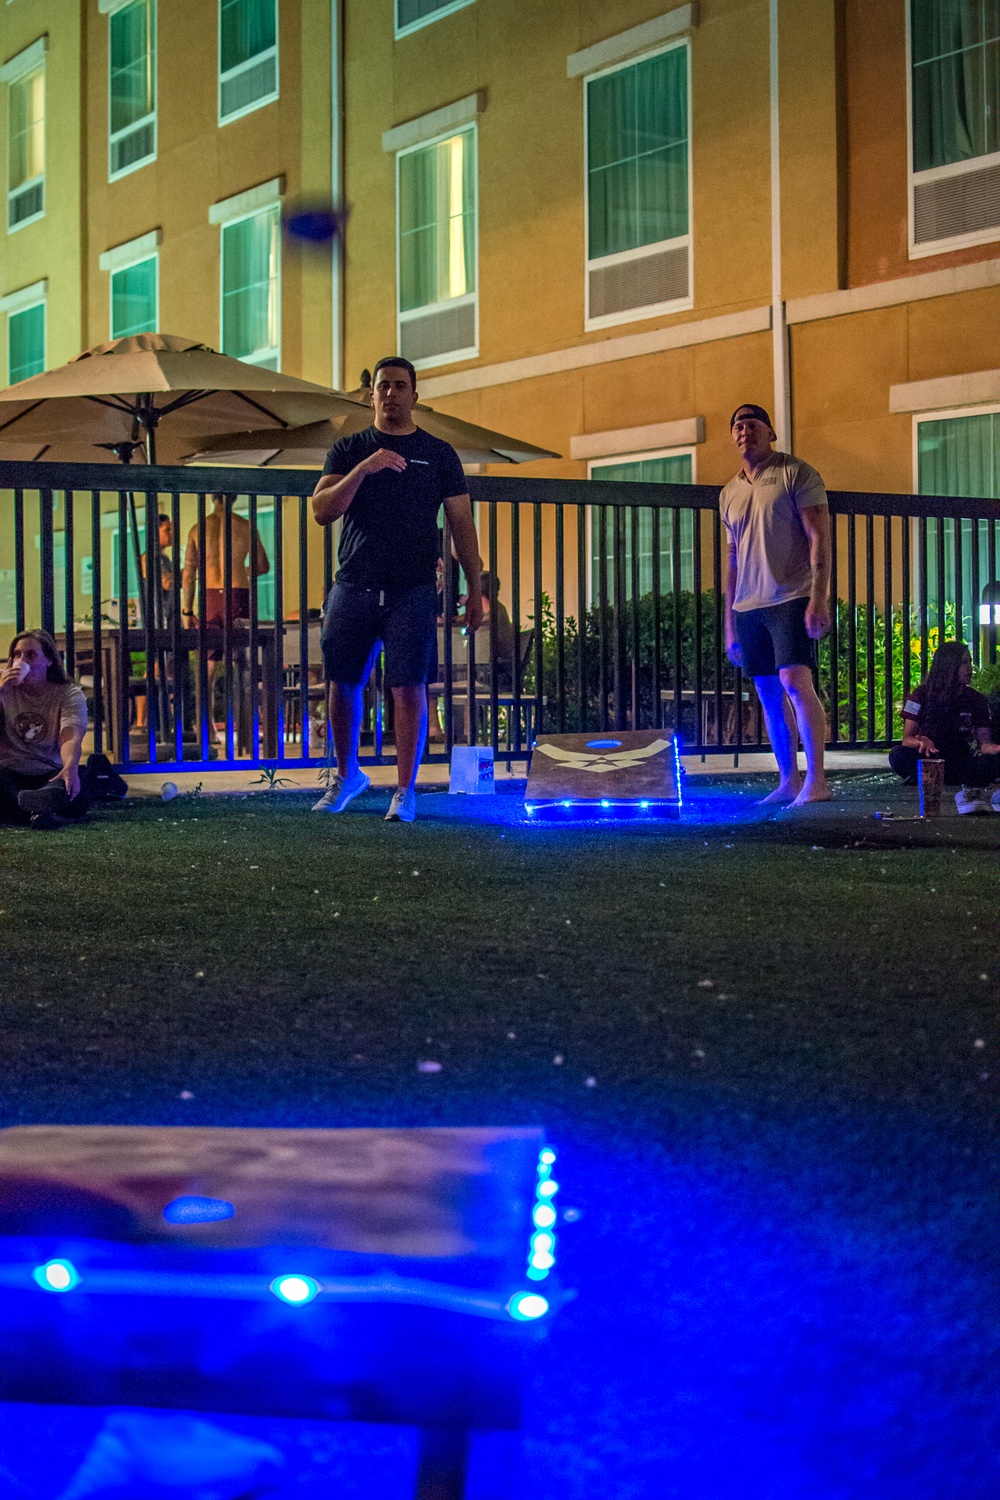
193, 1210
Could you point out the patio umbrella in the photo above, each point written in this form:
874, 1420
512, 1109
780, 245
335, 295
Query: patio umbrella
152, 394
307, 446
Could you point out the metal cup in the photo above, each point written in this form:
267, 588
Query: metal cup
930, 779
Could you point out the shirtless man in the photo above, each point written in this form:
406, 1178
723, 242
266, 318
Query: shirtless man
777, 521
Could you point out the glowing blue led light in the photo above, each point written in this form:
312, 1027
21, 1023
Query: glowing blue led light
643, 804
190, 1209
297, 1290
547, 1157
543, 1240
605, 802
603, 744
547, 1188
525, 1307
567, 803
544, 1216
56, 1276
543, 1261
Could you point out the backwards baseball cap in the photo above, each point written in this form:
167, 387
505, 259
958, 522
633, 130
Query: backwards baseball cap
748, 409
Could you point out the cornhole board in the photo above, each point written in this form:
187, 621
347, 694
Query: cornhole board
611, 773
419, 1244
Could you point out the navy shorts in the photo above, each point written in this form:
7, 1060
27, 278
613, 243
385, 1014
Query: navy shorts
774, 637
358, 622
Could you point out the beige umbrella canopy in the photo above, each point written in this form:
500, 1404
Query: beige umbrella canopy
307, 446
154, 394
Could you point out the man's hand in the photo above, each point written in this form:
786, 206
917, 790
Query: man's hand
11, 676
733, 649
70, 777
473, 617
817, 619
925, 745
382, 458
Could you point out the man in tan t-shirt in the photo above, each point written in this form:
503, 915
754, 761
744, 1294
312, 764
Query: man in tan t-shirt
777, 521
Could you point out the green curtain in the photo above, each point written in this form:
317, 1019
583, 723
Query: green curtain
956, 80
437, 222
637, 154
133, 64
133, 299
673, 469
26, 343
246, 28
27, 128
250, 268
960, 456
408, 11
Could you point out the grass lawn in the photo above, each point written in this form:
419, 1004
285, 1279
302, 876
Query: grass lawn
766, 1046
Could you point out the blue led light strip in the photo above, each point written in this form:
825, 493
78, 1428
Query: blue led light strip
542, 1250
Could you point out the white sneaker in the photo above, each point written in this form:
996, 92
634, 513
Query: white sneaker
972, 799
342, 793
403, 807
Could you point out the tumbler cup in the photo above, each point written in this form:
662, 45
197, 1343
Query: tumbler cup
930, 778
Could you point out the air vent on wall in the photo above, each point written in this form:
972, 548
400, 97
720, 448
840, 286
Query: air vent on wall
642, 282
25, 203
132, 147
947, 207
241, 90
444, 331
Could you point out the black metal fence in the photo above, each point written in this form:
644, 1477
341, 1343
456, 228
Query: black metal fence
609, 612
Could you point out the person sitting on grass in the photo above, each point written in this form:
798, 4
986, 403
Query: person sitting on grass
945, 719
43, 718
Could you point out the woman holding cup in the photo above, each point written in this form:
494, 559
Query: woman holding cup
946, 720
43, 718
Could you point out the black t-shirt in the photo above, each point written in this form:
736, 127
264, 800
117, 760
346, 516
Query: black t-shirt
390, 536
954, 730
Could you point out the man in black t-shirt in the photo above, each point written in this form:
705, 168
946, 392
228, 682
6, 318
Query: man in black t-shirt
388, 483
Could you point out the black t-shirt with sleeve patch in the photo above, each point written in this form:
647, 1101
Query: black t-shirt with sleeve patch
390, 535
954, 729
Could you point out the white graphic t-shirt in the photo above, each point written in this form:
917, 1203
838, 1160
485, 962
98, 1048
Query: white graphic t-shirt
31, 722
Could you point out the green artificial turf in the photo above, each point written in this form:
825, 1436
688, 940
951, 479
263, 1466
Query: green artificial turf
243, 938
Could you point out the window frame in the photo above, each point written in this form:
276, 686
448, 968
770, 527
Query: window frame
612, 460
129, 265
41, 302
38, 66
946, 414
656, 309
273, 208
448, 9
154, 115
222, 78
468, 298
936, 174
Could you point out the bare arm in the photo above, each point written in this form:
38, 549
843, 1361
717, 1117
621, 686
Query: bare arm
262, 563
914, 740
70, 747
986, 743
458, 509
189, 575
732, 644
816, 524
334, 492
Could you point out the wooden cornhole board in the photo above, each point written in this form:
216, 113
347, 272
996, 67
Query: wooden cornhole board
612, 773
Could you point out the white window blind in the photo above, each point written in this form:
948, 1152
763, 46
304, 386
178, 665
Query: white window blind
26, 148
251, 288
25, 342
436, 191
248, 56
134, 298
131, 87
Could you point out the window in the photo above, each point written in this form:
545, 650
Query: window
132, 87
248, 56
660, 468
638, 189
955, 124
436, 215
958, 454
25, 342
412, 14
134, 298
251, 288
26, 148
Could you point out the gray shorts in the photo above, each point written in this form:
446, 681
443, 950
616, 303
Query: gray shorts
359, 622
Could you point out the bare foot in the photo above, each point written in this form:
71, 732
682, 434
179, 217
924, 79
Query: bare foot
786, 792
816, 791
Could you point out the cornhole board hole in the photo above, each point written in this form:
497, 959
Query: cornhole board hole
364, 1275
610, 774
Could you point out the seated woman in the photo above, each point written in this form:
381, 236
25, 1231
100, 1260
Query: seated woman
945, 719
43, 718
